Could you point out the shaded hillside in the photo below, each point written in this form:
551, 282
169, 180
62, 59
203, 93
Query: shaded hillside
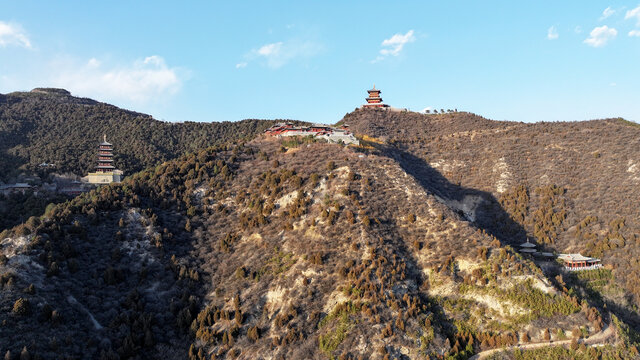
269, 250
572, 187
51, 126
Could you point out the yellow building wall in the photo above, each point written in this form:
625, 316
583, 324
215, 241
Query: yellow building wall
103, 178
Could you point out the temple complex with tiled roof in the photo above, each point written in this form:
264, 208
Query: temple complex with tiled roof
329, 133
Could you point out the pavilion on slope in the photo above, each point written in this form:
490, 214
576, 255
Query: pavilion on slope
577, 262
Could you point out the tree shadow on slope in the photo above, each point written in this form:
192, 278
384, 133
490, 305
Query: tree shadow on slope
115, 293
484, 212
9, 161
445, 324
480, 208
605, 306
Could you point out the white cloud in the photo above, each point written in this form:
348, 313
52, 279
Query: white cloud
552, 33
635, 33
13, 34
578, 29
607, 12
377, 59
241, 65
633, 14
394, 45
280, 53
428, 108
93, 63
599, 36
154, 60
270, 49
139, 82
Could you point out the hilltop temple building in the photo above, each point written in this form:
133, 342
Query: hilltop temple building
577, 262
105, 172
374, 100
331, 134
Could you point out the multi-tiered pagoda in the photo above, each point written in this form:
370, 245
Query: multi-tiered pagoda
105, 171
374, 100
105, 156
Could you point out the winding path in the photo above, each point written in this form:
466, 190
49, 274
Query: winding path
596, 339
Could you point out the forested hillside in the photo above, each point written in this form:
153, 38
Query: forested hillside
51, 126
273, 249
402, 247
569, 186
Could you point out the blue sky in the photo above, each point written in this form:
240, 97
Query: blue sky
215, 61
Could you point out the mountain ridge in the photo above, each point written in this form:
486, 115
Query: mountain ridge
52, 126
402, 247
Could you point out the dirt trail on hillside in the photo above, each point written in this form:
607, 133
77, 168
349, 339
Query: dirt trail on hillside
598, 338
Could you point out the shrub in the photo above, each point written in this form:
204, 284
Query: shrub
24, 354
316, 258
253, 333
21, 307
56, 318
314, 179
574, 344
31, 289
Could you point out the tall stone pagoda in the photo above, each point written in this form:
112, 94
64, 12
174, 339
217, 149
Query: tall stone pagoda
105, 172
374, 100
